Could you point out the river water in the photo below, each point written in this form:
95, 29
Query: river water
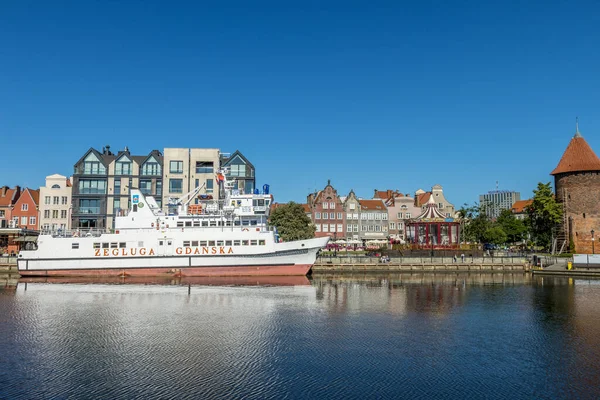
415, 336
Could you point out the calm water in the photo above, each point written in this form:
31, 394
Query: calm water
334, 337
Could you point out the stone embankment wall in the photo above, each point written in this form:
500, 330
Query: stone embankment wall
421, 264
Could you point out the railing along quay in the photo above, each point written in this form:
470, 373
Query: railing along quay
408, 264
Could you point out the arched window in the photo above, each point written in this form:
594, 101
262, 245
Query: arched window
55, 186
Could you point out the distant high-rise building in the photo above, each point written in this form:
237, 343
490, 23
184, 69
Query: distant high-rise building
497, 200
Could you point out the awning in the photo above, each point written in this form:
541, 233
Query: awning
26, 239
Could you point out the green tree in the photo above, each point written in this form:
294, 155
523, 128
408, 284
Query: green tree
292, 222
494, 234
514, 228
544, 215
474, 222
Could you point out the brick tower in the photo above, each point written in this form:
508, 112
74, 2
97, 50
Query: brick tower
577, 186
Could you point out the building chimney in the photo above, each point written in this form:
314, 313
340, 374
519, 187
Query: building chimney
4, 189
108, 153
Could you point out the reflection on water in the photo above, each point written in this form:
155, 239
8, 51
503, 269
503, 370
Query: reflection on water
335, 336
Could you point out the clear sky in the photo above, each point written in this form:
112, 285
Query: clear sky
398, 95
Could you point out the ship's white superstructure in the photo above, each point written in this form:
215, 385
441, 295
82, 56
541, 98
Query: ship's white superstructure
203, 237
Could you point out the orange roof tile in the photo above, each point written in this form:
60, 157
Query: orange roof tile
423, 198
578, 156
519, 206
367, 205
35, 195
305, 207
7, 199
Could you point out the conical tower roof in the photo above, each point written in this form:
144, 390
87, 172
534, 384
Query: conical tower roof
578, 157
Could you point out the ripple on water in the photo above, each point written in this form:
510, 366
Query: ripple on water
337, 339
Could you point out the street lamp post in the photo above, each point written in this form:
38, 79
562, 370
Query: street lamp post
593, 252
335, 244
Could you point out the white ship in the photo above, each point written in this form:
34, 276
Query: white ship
220, 237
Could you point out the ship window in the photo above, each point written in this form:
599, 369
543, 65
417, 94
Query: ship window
196, 223
228, 243
236, 242
194, 243
236, 222
160, 242
253, 222
140, 244
96, 245
186, 243
253, 243
227, 223
114, 245
122, 245
204, 223
169, 243
188, 223
180, 224
245, 222
244, 243
74, 245
213, 223
105, 245
220, 223
219, 243
261, 242
211, 242
203, 243
267, 202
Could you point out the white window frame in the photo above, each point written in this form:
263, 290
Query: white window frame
47, 200
355, 229
392, 225
32, 220
349, 228
407, 215
331, 227
318, 228
24, 207
384, 216
352, 206
317, 215
340, 228
325, 228
332, 205
325, 205
23, 220
339, 216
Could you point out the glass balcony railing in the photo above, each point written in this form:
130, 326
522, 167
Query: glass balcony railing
87, 210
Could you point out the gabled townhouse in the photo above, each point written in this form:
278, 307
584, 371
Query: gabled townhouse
55, 204
25, 211
8, 198
443, 205
327, 213
352, 207
373, 222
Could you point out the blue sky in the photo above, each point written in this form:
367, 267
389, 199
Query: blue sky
398, 95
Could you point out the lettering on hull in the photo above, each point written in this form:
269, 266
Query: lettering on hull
143, 251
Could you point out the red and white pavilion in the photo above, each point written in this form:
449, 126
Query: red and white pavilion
432, 229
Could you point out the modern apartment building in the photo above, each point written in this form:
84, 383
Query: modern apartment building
55, 203
102, 180
497, 200
186, 169
240, 170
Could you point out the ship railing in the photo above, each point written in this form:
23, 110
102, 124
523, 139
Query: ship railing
71, 233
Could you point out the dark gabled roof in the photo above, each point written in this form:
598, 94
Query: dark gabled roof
102, 157
237, 153
578, 157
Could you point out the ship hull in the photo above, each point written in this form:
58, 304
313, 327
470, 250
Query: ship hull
249, 270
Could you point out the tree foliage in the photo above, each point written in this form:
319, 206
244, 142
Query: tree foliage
292, 222
544, 214
514, 228
494, 234
474, 222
